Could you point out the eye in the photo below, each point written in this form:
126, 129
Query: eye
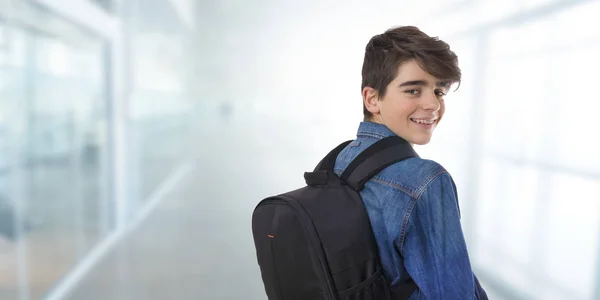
440, 93
413, 92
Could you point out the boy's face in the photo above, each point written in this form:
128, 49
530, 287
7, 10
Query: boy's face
413, 104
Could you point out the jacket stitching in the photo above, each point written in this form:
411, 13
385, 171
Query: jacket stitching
394, 185
354, 143
370, 134
405, 224
413, 205
428, 181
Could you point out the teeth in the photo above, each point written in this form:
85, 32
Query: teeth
421, 121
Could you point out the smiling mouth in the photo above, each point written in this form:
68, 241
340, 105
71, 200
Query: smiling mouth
423, 121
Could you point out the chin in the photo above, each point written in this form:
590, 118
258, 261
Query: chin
421, 140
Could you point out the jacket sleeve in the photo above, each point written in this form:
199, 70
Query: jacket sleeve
434, 248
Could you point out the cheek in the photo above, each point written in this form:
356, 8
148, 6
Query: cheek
405, 108
398, 107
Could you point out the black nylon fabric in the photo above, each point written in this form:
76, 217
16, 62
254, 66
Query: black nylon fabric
317, 243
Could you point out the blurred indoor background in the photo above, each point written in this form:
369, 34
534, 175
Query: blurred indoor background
136, 137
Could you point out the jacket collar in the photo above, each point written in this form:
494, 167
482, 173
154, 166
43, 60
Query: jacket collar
374, 130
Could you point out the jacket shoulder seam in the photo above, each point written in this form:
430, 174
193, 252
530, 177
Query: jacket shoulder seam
413, 203
429, 179
394, 185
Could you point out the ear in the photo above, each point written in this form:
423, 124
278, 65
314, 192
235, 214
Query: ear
371, 99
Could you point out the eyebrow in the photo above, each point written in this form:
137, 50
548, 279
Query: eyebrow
441, 83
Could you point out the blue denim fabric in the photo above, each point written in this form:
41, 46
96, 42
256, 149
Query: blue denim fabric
413, 208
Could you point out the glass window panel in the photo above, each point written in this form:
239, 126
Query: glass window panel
571, 237
514, 97
489, 10
53, 156
572, 134
519, 203
488, 202
11, 92
66, 155
577, 25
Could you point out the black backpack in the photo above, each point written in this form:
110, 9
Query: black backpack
316, 243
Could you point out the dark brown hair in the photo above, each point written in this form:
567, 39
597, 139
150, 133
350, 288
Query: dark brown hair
385, 52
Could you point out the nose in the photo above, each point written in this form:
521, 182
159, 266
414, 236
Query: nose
430, 102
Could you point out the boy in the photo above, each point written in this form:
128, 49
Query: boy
412, 205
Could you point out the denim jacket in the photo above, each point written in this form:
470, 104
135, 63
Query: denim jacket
414, 213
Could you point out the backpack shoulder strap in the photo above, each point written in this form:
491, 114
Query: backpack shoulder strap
328, 163
404, 290
322, 172
375, 158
